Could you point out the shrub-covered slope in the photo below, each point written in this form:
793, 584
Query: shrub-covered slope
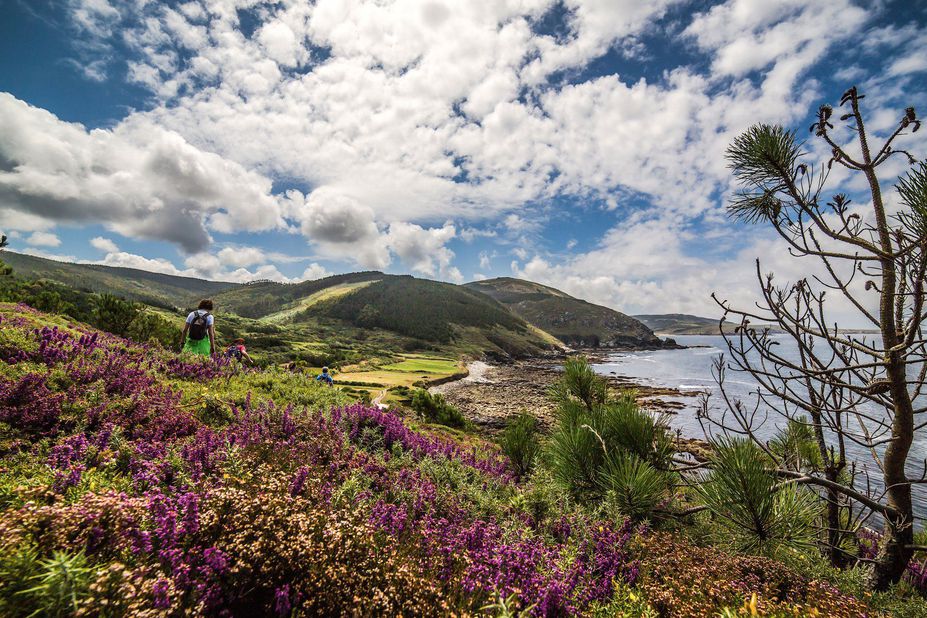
141, 285
432, 311
256, 300
137, 483
573, 321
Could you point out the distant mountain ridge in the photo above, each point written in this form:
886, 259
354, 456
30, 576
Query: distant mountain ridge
575, 322
683, 324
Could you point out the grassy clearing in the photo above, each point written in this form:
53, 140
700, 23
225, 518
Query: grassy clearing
420, 364
411, 369
334, 291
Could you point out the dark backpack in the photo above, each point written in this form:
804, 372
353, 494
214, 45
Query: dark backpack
199, 326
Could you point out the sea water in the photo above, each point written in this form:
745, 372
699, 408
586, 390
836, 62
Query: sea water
690, 370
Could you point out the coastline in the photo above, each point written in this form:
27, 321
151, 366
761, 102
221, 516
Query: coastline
491, 394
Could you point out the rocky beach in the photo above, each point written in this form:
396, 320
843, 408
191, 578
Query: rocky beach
492, 394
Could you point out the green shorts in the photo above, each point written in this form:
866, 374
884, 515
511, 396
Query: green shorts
192, 346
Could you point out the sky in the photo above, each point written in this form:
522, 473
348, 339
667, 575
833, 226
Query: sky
577, 143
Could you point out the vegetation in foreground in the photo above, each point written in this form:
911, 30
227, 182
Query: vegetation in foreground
135, 482
842, 389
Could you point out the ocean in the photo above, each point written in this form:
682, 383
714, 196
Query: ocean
690, 371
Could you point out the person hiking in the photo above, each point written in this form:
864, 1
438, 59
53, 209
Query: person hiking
199, 333
238, 351
325, 377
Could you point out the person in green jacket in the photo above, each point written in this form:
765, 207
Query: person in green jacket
199, 333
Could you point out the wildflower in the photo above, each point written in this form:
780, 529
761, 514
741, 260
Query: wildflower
282, 603
160, 591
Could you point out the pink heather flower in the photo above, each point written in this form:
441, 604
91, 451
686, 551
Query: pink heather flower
296, 487
282, 603
161, 594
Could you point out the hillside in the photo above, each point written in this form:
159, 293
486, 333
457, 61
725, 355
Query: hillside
574, 321
431, 311
505, 316
265, 298
141, 285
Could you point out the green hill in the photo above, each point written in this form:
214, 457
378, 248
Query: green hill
262, 299
141, 285
573, 321
339, 318
431, 311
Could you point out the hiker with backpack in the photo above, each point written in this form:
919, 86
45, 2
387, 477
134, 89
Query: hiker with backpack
238, 351
325, 377
199, 334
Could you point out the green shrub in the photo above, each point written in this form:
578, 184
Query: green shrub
747, 499
592, 426
19, 564
576, 455
58, 586
114, 314
579, 382
520, 443
795, 445
435, 409
633, 487
149, 327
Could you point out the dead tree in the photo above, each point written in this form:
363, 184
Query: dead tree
850, 389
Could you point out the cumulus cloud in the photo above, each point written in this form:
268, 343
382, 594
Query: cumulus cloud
138, 179
340, 227
746, 35
412, 97
314, 271
43, 239
422, 250
203, 265
104, 244
654, 265
156, 265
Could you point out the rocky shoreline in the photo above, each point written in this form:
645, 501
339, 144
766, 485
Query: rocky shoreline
491, 394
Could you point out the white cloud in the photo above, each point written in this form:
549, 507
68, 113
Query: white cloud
104, 244
138, 179
43, 239
314, 271
654, 265
376, 123
423, 251
746, 35
241, 256
340, 227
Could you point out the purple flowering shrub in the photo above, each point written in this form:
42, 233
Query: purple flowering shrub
250, 514
189, 487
